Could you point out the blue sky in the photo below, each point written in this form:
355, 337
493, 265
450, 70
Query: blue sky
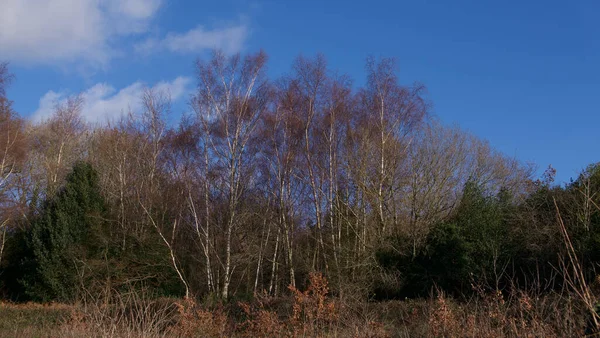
524, 75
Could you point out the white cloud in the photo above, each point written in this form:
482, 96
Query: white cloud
103, 102
140, 9
229, 39
51, 31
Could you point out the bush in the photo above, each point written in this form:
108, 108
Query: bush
471, 246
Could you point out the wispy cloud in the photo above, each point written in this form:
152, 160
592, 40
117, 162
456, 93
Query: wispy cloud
229, 39
103, 102
55, 31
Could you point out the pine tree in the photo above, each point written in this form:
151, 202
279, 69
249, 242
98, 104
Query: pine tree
61, 238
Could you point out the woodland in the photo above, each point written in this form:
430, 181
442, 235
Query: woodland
302, 205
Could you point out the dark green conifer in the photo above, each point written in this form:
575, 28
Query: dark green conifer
62, 237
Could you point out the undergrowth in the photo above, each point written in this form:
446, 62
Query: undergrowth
309, 313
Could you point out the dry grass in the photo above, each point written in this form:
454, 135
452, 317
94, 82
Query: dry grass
518, 316
195, 321
31, 320
309, 313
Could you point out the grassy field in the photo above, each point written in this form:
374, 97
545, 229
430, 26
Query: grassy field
33, 320
306, 314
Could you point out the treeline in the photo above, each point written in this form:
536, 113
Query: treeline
264, 181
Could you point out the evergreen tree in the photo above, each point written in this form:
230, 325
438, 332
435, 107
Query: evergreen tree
62, 237
470, 247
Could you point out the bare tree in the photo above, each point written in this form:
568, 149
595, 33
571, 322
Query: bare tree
282, 161
114, 152
309, 83
378, 145
12, 152
154, 195
58, 142
231, 98
439, 167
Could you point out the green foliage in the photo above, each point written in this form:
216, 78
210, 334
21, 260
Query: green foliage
71, 245
481, 221
494, 243
471, 247
142, 264
584, 215
64, 236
